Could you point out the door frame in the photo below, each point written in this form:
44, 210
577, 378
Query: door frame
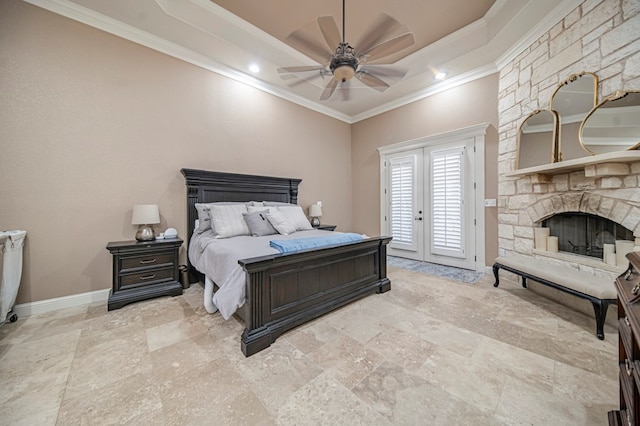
478, 133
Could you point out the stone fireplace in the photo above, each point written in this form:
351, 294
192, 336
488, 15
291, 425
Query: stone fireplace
601, 200
595, 36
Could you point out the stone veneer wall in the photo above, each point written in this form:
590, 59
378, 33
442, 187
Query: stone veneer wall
598, 36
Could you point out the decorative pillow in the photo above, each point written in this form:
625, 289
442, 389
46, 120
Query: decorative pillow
258, 223
281, 223
254, 209
295, 215
204, 220
227, 220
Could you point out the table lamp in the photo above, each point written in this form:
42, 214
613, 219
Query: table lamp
315, 212
145, 215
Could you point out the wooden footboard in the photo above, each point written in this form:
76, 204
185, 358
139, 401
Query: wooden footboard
284, 291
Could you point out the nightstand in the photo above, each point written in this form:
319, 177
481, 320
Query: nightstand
142, 270
327, 227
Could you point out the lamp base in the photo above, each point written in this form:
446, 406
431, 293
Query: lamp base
315, 222
145, 233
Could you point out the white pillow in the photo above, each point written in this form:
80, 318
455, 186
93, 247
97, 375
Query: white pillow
227, 220
281, 223
255, 209
295, 215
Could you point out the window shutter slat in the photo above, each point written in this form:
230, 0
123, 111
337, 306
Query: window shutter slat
402, 200
447, 198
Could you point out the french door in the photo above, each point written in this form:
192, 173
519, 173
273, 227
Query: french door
429, 203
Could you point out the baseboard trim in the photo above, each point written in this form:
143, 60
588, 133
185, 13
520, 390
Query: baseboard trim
43, 306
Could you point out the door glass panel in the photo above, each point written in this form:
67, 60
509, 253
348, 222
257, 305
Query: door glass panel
447, 209
402, 200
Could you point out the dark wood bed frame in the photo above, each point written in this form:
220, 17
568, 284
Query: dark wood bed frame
286, 290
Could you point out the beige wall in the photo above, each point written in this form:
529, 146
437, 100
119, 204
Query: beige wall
91, 124
464, 106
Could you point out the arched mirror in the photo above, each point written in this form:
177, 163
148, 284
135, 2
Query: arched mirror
572, 100
537, 139
613, 125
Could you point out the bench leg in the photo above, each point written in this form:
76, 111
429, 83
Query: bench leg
600, 309
495, 274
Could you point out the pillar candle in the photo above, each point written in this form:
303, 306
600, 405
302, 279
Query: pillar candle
622, 248
609, 256
552, 244
540, 238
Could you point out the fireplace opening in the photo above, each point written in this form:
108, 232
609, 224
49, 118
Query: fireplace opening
584, 233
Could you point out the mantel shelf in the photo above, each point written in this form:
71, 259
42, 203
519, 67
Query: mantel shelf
578, 164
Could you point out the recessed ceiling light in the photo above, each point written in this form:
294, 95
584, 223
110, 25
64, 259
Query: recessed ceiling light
254, 68
441, 75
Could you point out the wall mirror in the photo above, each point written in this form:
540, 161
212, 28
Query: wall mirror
537, 139
572, 100
613, 125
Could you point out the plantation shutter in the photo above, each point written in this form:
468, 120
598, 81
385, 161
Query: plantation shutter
402, 199
447, 202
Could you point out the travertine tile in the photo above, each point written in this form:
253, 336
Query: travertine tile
324, 400
430, 351
346, 360
131, 400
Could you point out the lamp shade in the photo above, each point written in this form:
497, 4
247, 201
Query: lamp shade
145, 214
315, 210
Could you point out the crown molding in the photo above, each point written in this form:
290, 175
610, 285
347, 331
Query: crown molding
96, 20
545, 25
456, 81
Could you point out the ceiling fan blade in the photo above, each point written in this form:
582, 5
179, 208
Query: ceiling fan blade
329, 89
310, 47
388, 47
330, 31
284, 70
372, 81
345, 91
385, 71
384, 26
294, 80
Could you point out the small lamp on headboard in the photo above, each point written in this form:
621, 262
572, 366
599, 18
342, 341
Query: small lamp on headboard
145, 215
315, 212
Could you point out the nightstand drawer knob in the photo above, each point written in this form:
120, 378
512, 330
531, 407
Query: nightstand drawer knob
144, 262
148, 277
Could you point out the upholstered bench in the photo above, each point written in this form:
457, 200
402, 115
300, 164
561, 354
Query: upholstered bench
598, 291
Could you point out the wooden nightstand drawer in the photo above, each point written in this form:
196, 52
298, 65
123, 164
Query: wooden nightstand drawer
142, 270
152, 260
146, 278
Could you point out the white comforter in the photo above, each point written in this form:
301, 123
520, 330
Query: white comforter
217, 258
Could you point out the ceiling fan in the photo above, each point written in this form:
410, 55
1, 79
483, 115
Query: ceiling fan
388, 36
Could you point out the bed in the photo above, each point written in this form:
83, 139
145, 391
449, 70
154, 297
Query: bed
283, 291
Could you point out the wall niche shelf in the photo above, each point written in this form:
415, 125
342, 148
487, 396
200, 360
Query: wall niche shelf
577, 164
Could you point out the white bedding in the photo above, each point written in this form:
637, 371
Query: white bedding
217, 258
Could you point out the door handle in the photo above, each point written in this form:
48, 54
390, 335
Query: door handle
417, 218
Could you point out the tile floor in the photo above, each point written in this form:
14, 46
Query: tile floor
432, 351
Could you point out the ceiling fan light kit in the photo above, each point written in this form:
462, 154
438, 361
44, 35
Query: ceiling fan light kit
345, 62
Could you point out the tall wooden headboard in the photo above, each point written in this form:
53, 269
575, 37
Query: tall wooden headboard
209, 187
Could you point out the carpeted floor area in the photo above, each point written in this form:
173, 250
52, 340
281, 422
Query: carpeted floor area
458, 274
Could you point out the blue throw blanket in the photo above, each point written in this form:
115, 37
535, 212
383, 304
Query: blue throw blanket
290, 246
